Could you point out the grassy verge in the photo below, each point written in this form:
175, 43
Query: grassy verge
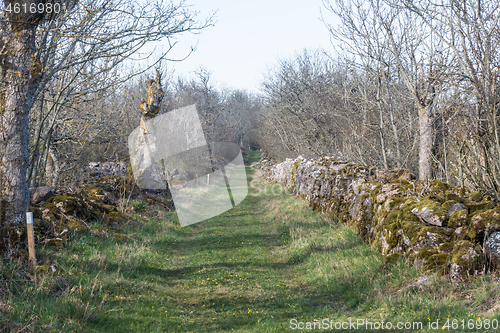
252, 269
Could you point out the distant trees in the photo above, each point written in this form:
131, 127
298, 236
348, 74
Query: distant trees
226, 114
53, 62
316, 105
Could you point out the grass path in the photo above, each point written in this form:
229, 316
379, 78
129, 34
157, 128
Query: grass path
252, 269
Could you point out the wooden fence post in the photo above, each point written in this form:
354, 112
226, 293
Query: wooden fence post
31, 240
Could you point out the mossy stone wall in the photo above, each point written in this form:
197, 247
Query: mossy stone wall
439, 226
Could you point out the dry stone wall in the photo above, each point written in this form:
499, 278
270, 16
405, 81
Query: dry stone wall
440, 227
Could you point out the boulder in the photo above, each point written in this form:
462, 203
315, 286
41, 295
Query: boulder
42, 193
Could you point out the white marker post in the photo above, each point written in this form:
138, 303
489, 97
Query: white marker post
31, 240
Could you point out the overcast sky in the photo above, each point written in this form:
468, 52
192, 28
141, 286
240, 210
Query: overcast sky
249, 36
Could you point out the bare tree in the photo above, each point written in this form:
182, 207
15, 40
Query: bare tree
471, 31
38, 45
390, 43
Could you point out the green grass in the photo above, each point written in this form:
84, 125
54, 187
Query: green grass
252, 269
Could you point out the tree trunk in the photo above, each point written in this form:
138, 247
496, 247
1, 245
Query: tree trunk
20, 70
425, 158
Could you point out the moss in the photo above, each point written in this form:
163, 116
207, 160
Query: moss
76, 225
438, 186
130, 172
437, 261
457, 219
396, 202
114, 217
446, 247
391, 226
37, 212
452, 196
62, 203
447, 204
400, 181
424, 232
448, 232
435, 197
426, 252
94, 191
397, 176
67, 205
481, 220
407, 175
463, 254
474, 235
378, 243
461, 233
434, 206
55, 242
120, 237
476, 196
390, 260
294, 171
480, 206
411, 230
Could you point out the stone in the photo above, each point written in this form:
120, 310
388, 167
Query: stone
460, 233
394, 174
458, 219
42, 193
421, 281
456, 207
466, 260
56, 242
388, 191
428, 216
48, 215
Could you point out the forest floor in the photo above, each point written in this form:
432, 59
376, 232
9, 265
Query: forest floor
268, 265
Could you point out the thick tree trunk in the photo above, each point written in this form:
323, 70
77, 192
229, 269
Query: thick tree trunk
20, 70
425, 157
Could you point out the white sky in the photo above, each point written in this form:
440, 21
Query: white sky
249, 36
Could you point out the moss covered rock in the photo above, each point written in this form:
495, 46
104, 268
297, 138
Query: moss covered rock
476, 196
461, 233
450, 195
465, 261
431, 212
478, 207
67, 205
457, 219
481, 220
